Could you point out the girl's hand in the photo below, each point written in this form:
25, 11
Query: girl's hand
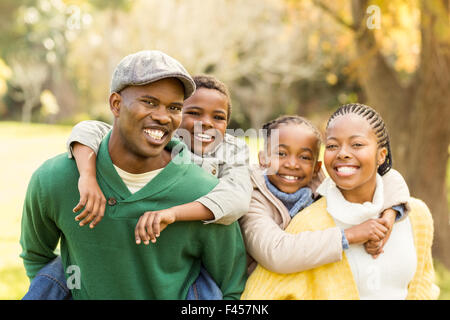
92, 200
375, 248
151, 224
370, 230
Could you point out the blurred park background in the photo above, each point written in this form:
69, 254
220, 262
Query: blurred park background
303, 57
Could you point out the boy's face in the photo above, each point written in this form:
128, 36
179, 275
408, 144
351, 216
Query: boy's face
147, 116
205, 116
292, 160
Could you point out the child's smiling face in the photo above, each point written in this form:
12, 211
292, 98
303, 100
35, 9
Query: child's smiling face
292, 160
205, 116
352, 156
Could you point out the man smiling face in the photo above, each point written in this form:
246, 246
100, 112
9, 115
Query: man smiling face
145, 118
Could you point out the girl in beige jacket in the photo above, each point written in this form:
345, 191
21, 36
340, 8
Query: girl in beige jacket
284, 184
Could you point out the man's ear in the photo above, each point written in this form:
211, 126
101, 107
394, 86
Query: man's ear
115, 101
263, 159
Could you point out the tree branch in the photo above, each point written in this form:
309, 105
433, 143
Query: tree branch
334, 15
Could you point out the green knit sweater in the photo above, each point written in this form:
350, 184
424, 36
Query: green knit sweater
110, 263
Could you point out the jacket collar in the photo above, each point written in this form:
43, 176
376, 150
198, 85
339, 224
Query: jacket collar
257, 177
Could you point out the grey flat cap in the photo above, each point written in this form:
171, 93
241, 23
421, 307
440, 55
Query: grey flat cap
148, 66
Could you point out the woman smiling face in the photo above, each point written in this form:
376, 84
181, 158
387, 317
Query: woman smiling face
352, 156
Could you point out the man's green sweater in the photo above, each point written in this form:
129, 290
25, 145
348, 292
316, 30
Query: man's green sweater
111, 265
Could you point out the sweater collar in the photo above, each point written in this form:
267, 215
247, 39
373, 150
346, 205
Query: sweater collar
348, 212
170, 173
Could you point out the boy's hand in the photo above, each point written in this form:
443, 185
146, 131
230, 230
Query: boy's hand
375, 248
93, 201
151, 223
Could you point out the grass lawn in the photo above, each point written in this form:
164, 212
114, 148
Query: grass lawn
23, 149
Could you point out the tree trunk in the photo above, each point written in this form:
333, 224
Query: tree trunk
417, 115
430, 120
26, 111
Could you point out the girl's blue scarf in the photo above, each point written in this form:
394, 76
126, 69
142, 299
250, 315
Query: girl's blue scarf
294, 202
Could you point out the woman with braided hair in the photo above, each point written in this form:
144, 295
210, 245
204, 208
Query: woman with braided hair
357, 158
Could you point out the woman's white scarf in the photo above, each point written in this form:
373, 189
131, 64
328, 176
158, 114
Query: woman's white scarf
348, 212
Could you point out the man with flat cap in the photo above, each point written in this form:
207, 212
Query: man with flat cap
147, 93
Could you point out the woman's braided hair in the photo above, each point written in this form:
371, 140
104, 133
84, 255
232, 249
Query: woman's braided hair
290, 119
377, 124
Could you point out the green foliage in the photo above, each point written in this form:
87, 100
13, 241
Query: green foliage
8, 28
443, 280
124, 5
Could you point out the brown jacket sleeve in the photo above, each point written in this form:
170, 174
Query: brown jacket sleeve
396, 191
